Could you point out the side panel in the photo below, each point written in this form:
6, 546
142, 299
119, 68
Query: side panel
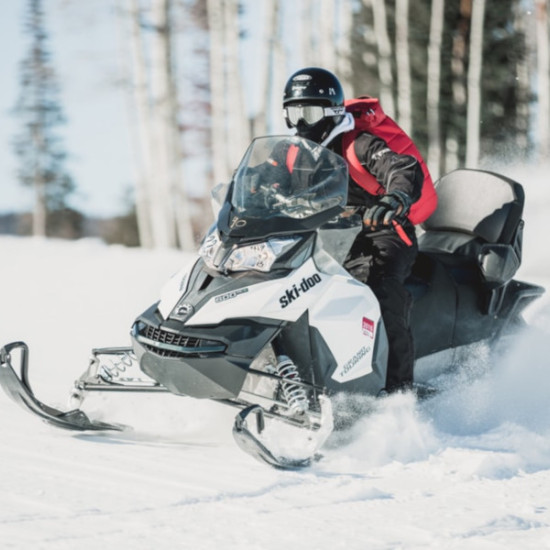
435, 298
347, 315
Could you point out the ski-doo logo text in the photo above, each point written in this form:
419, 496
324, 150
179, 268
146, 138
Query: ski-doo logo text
295, 291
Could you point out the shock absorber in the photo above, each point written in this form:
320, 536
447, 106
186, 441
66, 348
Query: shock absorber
294, 394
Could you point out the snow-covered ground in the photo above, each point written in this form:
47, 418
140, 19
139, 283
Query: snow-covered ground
469, 469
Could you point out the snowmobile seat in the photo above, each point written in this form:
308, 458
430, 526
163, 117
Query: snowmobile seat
477, 228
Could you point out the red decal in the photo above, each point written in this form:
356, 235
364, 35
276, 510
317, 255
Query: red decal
368, 327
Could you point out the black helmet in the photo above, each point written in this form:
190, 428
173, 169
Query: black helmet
313, 103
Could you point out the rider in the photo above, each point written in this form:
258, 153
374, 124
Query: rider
383, 253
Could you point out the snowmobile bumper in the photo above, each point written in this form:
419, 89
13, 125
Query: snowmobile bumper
205, 364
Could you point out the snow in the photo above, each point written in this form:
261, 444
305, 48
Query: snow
469, 469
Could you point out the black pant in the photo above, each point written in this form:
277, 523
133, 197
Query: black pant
383, 260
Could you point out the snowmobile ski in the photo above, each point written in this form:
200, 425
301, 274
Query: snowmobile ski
251, 445
18, 388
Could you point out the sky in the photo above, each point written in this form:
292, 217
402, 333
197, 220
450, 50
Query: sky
88, 45
87, 49
88, 42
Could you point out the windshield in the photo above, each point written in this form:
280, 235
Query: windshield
286, 184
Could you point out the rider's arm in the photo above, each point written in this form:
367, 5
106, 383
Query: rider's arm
394, 171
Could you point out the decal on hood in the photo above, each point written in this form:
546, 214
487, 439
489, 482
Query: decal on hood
297, 290
229, 295
354, 360
368, 327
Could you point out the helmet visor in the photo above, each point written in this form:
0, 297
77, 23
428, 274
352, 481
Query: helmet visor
310, 114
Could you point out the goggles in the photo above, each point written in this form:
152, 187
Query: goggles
310, 114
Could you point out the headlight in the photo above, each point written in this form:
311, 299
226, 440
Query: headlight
210, 250
258, 257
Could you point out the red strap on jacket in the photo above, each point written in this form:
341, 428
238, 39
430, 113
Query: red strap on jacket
291, 155
369, 117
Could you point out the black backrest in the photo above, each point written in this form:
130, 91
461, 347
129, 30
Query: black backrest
480, 203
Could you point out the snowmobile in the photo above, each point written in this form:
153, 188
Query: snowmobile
267, 320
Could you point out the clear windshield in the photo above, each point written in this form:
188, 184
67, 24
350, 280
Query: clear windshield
283, 177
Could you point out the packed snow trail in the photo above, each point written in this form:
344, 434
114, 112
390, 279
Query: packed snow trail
467, 469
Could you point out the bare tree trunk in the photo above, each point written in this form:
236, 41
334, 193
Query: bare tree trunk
40, 209
164, 211
403, 65
434, 87
523, 75
39, 216
217, 90
270, 17
277, 73
343, 44
326, 35
307, 41
178, 196
384, 55
458, 64
238, 132
230, 130
473, 119
543, 85
145, 140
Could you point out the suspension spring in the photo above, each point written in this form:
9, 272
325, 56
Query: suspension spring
294, 394
112, 367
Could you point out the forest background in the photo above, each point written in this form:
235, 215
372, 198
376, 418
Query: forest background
196, 80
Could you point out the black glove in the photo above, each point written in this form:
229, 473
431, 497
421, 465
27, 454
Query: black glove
392, 206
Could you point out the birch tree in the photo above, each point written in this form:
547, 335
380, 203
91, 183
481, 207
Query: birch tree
166, 130
434, 87
230, 132
343, 44
523, 75
402, 47
220, 171
384, 55
458, 71
307, 39
144, 187
271, 45
277, 72
237, 128
543, 78
326, 37
161, 201
474, 85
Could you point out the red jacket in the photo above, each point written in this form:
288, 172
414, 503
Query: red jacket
390, 162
